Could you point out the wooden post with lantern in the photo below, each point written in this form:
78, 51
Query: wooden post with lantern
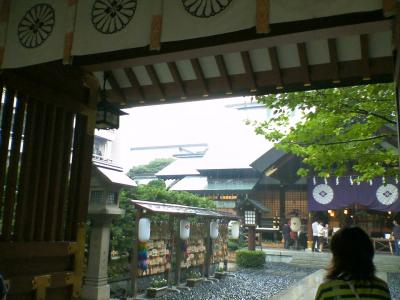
251, 210
252, 237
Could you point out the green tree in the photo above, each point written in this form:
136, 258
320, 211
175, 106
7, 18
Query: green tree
151, 168
347, 130
123, 227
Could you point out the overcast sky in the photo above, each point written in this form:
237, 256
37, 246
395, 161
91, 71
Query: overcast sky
210, 122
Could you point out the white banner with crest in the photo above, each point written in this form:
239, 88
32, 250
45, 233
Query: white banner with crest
35, 32
188, 19
41, 31
108, 25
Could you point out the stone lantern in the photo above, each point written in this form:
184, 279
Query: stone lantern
106, 182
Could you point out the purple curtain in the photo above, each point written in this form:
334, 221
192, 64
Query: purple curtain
341, 192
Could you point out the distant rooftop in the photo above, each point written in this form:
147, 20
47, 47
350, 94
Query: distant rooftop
180, 168
203, 183
112, 173
183, 210
186, 146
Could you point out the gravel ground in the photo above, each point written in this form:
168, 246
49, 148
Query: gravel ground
247, 284
255, 284
394, 285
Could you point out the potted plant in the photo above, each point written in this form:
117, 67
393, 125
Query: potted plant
193, 279
158, 288
220, 273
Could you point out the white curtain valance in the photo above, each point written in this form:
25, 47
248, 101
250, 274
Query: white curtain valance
38, 31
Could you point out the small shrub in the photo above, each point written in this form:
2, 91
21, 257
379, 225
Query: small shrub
250, 259
220, 269
233, 245
158, 283
193, 275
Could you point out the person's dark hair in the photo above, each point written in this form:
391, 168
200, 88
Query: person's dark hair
353, 255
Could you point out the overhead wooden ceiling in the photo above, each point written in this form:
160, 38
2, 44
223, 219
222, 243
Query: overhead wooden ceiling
317, 53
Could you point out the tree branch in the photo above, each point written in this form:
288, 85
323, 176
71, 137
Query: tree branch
340, 142
367, 113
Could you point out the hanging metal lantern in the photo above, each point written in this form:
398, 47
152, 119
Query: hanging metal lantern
107, 116
213, 230
144, 229
184, 229
234, 230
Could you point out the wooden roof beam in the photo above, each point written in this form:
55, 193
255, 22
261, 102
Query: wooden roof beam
135, 83
200, 75
156, 82
189, 51
224, 73
276, 68
365, 57
382, 68
115, 87
301, 48
333, 56
249, 70
178, 79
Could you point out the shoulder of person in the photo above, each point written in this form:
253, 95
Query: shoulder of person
326, 286
3, 287
379, 281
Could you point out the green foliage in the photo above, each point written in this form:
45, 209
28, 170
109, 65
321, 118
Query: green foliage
118, 268
151, 168
158, 283
341, 130
122, 227
250, 259
193, 275
233, 245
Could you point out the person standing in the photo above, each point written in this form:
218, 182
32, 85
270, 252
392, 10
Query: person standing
315, 243
302, 237
351, 274
286, 235
396, 235
321, 233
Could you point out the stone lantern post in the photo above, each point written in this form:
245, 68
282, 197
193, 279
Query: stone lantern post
106, 182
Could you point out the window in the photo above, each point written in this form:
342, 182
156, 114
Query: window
271, 201
225, 204
101, 148
112, 198
96, 197
296, 200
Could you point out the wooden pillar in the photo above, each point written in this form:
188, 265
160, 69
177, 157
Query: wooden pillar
171, 248
134, 255
252, 238
309, 228
398, 113
227, 251
178, 256
208, 255
396, 78
282, 207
